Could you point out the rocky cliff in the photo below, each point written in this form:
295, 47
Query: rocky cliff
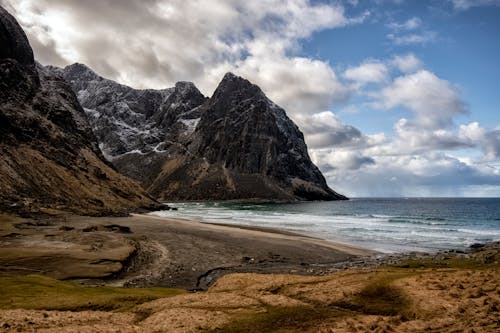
182, 146
244, 147
49, 157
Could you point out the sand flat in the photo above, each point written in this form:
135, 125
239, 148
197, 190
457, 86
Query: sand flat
146, 250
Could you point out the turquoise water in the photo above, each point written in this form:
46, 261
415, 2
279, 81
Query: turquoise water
384, 224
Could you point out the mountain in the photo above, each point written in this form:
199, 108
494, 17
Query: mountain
136, 129
182, 146
244, 146
49, 157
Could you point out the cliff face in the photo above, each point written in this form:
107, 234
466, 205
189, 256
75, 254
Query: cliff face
49, 157
126, 119
243, 147
182, 146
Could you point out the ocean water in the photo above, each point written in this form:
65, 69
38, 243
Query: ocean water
388, 225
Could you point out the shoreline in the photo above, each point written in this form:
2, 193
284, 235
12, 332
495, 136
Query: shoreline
300, 286
269, 232
144, 250
149, 251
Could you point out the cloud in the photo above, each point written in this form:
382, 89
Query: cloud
466, 4
428, 155
487, 140
434, 101
302, 86
410, 32
332, 159
427, 174
412, 139
368, 72
325, 129
406, 63
411, 24
155, 43
414, 38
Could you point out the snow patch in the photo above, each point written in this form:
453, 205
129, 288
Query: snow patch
190, 124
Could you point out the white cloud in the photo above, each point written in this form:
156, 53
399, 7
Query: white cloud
368, 72
410, 32
414, 38
155, 43
426, 174
406, 63
487, 140
466, 4
332, 159
428, 155
434, 101
325, 129
410, 24
302, 86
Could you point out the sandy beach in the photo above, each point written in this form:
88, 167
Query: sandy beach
143, 250
234, 280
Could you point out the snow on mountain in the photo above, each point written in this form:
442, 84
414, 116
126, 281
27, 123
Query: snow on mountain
127, 120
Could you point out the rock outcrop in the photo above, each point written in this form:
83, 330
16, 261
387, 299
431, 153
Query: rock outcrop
49, 158
182, 146
14, 42
126, 119
244, 147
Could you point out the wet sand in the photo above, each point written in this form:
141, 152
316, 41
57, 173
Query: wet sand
143, 250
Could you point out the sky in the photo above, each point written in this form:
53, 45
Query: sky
395, 98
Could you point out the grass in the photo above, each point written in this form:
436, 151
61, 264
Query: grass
42, 293
378, 297
280, 319
451, 262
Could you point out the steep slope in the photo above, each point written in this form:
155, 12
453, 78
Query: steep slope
244, 147
181, 146
126, 119
135, 128
49, 157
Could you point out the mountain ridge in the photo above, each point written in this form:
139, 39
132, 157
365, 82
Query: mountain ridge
171, 147
50, 160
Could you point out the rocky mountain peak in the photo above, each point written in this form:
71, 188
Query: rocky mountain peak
249, 137
185, 86
180, 145
81, 71
49, 158
233, 89
127, 120
13, 41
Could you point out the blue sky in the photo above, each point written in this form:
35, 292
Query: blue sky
463, 47
395, 98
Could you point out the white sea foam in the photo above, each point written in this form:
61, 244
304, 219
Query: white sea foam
352, 222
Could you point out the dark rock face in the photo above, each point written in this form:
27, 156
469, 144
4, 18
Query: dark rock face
245, 131
49, 157
181, 146
126, 119
244, 147
13, 40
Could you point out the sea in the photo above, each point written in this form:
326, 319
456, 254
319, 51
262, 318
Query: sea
388, 225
